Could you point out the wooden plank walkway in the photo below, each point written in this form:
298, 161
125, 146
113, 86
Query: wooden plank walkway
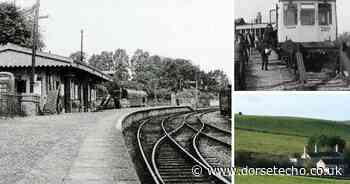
279, 78
275, 79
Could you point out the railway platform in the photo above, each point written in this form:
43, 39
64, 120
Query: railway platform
80, 148
279, 77
274, 79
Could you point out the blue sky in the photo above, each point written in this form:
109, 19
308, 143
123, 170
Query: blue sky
324, 106
199, 30
249, 8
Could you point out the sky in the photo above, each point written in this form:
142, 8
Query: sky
199, 30
320, 106
249, 8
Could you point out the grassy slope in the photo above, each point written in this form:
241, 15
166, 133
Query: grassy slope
268, 143
292, 126
282, 135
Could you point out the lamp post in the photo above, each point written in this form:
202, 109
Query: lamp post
81, 46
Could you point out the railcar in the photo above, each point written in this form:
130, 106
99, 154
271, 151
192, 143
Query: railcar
123, 98
225, 101
307, 21
308, 27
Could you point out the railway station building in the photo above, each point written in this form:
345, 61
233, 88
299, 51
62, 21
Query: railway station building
61, 85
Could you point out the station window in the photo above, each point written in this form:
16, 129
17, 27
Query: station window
307, 14
21, 86
324, 14
290, 14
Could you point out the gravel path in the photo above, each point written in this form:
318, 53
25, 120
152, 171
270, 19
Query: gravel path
68, 148
216, 119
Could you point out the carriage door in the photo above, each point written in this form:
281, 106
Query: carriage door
326, 30
308, 31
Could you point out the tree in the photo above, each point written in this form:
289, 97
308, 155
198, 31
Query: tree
76, 56
121, 65
239, 21
121, 57
139, 58
326, 143
16, 27
103, 61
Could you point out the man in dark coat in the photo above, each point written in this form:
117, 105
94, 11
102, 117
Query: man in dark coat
241, 58
269, 36
268, 42
265, 53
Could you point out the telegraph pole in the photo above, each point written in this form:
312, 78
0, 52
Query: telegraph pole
196, 93
197, 88
34, 47
81, 45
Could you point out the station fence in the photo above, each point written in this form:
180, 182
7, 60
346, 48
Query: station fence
12, 105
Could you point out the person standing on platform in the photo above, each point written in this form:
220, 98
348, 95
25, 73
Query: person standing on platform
241, 58
265, 53
267, 44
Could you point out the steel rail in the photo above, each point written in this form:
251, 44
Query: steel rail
209, 136
169, 136
149, 167
194, 144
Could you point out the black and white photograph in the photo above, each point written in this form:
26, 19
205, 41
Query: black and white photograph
116, 91
291, 45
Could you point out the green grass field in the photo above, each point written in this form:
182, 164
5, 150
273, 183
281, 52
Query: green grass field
268, 143
282, 136
284, 180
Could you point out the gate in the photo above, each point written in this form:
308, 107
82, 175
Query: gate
10, 104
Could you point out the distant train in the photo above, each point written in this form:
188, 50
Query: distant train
124, 98
225, 97
133, 98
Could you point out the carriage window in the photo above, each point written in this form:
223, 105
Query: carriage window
290, 14
325, 14
307, 14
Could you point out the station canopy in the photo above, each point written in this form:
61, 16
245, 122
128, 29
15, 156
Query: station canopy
12, 56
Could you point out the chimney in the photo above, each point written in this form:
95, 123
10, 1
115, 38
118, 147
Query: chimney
336, 148
316, 148
304, 150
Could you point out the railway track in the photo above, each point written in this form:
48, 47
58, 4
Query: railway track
213, 137
168, 149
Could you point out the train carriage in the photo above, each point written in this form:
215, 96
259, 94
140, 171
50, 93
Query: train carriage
306, 36
307, 21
